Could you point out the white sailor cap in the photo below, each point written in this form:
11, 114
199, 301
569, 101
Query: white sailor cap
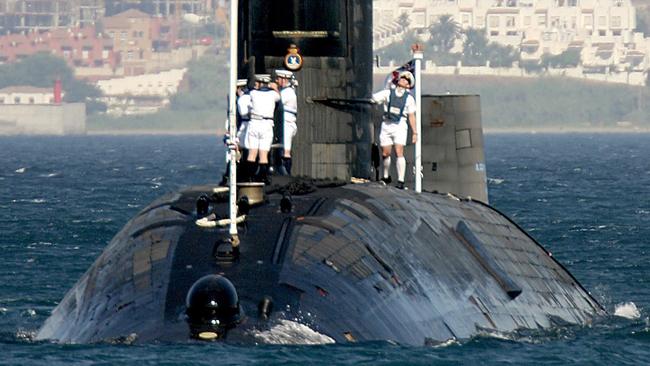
286, 74
242, 82
263, 78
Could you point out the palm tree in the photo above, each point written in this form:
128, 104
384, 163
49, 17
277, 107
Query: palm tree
444, 33
404, 21
475, 47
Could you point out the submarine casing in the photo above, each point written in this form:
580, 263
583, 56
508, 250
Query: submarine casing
356, 262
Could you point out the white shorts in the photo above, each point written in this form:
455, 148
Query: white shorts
393, 133
259, 135
241, 134
290, 130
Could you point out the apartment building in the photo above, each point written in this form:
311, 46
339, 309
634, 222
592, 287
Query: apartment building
77, 46
29, 15
603, 30
132, 39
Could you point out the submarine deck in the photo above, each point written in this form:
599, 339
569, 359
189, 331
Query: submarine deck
356, 262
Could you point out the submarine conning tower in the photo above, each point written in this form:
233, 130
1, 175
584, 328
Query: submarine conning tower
337, 125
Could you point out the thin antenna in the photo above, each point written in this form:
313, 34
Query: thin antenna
232, 123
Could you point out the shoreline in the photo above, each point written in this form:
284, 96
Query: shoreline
487, 131
565, 130
155, 132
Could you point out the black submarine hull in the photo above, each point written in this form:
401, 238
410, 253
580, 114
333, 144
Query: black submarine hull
355, 262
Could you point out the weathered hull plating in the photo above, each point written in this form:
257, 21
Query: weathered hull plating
354, 262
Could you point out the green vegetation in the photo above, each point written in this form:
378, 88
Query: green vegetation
201, 106
41, 70
477, 50
548, 101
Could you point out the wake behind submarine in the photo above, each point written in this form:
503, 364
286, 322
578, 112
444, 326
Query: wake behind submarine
355, 262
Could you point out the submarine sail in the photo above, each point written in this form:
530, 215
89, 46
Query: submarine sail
355, 262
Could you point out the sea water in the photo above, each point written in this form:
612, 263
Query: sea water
586, 198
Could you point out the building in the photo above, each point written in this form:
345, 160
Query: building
38, 15
78, 46
603, 30
27, 110
26, 95
140, 94
131, 32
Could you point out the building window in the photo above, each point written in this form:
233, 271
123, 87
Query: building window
494, 33
527, 21
465, 19
17, 100
31, 100
84, 54
555, 22
2, 100
480, 21
510, 22
602, 21
493, 21
123, 36
104, 53
615, 22
589, 21
129, 55
418, 20
541, 20
602, 33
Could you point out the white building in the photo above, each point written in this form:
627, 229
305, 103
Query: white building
602, 29
26, 95
140, 94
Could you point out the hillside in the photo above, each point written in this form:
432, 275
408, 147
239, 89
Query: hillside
547, 102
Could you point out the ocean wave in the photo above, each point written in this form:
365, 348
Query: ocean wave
51, 175
289, 332
627, 310
495, 181
20, 170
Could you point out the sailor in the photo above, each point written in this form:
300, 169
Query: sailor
399, 105
243, 116
259, 135
284, 80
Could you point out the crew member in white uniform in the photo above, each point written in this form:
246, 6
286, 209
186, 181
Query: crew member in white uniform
243, 115
399, 106
284, 79
259, 135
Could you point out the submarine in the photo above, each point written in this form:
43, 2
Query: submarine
331, 248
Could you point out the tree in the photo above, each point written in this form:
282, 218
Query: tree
404, 21
41, 70
399, 51
475, 47
444, 33
501, 56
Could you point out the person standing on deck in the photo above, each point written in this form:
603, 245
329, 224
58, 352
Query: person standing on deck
259, 135
399, 105
243, 116
290, 106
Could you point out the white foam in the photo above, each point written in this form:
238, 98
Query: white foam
495, 181
289, 332
50, 175
627, 310
20, 170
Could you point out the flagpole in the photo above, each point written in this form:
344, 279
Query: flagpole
418, 55
232, 119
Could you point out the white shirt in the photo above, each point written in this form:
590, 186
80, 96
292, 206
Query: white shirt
244, 106
290, 103
262, 103
384, 97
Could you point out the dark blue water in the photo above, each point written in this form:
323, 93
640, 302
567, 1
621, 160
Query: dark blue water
585, 197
